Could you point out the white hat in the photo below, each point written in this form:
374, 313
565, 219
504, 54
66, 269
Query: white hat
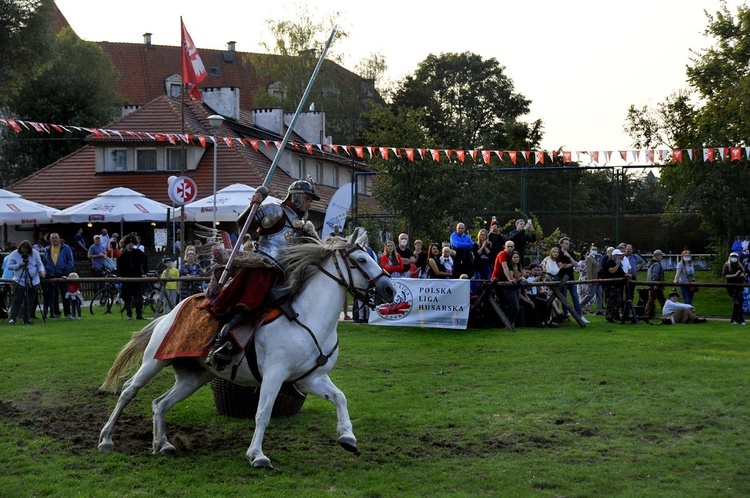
617, 252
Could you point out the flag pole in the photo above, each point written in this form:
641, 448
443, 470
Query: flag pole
276, 159
181, 250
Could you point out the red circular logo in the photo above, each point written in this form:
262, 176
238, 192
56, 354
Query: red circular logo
183, 190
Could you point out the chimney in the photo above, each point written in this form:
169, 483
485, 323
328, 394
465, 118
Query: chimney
147, 39
230, 46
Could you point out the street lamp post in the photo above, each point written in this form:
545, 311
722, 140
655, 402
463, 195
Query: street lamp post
215, 121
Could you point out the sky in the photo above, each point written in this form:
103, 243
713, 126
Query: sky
582, 63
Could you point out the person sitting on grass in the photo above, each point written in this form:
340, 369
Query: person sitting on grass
677, 312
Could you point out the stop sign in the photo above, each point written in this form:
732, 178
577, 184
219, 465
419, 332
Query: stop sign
183, 190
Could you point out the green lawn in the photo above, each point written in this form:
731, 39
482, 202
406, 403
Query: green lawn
609, 410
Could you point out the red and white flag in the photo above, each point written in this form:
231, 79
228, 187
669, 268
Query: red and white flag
193, 70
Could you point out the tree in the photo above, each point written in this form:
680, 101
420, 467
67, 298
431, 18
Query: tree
77, 86
25, 40
715, 111
469, 102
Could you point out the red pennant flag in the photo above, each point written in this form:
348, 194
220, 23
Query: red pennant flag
473, 154
202, 140
677, 155
228, 141
487, 156
735, 153
624, 155
540, 156
513, 155
526, 154
254, 143
650, 156
384, 153
499, 154
309, 148
595, 156
409, 154
567, 156
360, 151
371, 150
193, 70
448, 153
708, 155
461, 155
13, 125
435, 154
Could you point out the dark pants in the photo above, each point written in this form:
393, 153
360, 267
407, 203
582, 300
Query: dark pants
737, 301
132, 296
22, 297
53, 294
508, 298
98, 272
654, 295
614, 295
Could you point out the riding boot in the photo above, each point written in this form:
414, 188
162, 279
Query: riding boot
223, 347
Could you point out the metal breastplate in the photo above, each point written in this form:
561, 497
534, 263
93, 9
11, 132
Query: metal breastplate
272, 244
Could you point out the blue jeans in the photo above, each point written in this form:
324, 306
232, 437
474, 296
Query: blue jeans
573, 286
595, 290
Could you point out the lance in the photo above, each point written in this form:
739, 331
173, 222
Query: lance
263, 189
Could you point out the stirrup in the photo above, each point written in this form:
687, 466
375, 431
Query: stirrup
220, 355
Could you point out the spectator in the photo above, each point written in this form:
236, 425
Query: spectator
524, 233
79, 242
655, 292
74, 297
58, 263
539, 296
336, 232
677, 312
461, 243
114, 250
5, 287
170, 288
551, 264
685, 274
27, 268
482, 252
590, 271
190, 268
734, 273
390, 260
737, 245
407, 255
96, 253
568, 261
435, 268
447, 260
635, 263
421, 257
614, 290
497, 239
502, 272
104, 239
132, 263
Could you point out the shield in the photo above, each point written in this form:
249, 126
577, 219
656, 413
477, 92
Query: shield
14, 209
115, 205
231, 201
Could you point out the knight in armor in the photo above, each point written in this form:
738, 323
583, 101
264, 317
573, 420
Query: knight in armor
277, 225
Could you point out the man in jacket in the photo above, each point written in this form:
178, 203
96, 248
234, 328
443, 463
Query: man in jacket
132, 263
655, 292
58, 263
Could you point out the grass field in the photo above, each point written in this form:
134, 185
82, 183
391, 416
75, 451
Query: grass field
609, 410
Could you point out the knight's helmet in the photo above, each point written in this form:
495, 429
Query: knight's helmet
296, 192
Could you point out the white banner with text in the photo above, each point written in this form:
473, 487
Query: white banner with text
426, 303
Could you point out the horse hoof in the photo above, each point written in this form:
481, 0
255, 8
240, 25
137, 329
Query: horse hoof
349, 443
168, 449
106, 447
262, 463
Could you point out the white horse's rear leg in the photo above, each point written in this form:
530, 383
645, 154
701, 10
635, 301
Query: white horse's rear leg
187, 381
323, 387
148, 370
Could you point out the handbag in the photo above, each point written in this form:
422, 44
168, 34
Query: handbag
110, 265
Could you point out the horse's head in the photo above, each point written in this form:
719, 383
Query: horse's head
361, 274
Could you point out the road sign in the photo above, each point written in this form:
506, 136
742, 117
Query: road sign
183, 190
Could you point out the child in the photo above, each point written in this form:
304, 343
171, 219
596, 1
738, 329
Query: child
446, 259
74, 297
170, 288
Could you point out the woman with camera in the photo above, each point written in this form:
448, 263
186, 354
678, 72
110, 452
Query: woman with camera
28, 270
613, 290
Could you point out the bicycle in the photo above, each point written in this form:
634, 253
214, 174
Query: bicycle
107, 296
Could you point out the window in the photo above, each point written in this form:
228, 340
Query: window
318, 173
145, 159
172, 160
335, 176
301, 169
175, 90
116, 160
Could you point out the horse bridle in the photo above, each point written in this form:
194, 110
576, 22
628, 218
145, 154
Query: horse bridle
345, 255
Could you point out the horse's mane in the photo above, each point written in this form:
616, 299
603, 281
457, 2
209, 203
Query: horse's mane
302, 259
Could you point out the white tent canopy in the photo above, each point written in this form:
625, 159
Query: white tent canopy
14, 209
231, 201
115, 205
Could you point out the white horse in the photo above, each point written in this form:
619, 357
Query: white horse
303, 351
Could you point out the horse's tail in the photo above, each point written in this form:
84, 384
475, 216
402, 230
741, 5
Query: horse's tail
130, 355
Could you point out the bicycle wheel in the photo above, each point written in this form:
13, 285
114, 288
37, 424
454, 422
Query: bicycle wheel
102, 301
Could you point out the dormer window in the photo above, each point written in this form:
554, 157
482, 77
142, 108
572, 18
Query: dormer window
172, 160
145, 159
116, 160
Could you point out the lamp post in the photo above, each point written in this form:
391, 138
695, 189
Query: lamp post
215, 121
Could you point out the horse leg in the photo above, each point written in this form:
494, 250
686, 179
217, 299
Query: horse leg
145, 373
187, 381
324, 388
269, 389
